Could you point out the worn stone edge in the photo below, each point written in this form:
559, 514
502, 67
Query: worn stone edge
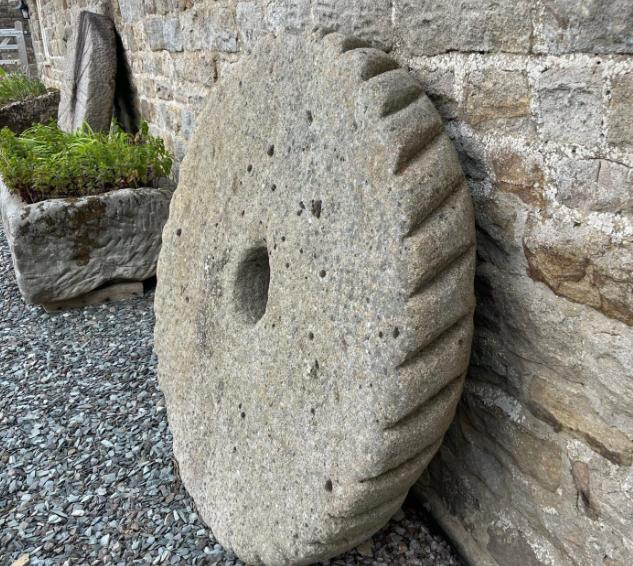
113, 293
11, 207
49, 94
470, 552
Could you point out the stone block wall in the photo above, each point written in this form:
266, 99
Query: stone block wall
538, 97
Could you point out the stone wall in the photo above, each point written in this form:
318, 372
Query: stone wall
538, 96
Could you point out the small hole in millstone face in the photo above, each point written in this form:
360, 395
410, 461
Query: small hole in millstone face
328, 485
251, 284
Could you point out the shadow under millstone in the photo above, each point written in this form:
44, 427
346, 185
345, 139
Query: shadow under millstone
411, 538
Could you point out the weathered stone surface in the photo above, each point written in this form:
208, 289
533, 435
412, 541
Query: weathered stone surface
20, 115
519, 176
498, 99
207, 29
529, 332
601, 185
582, 264
533, 456
315, 298
87, 94
620, 110
574, 414
586, 25
164, 33
439, 86
367, 19
430, 27
63, 248
570, 100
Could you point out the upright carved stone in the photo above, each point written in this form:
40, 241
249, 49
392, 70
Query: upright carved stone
87, 93
315, 298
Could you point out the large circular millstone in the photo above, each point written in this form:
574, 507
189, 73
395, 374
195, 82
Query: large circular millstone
315, 298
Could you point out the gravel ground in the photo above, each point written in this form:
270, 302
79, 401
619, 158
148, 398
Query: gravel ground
86, 470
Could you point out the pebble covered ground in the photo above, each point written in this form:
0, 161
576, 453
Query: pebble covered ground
86, 469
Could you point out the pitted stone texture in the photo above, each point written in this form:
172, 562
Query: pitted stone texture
315, 298
64, 248
20, 115
87, 94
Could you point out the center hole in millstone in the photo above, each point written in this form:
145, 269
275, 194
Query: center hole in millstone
251, 284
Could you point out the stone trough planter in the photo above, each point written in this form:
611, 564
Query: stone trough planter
66, 248
20, 115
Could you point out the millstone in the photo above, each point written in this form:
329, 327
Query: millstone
87, 93
315, 298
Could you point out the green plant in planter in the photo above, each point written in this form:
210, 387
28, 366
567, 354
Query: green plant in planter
17, 86
44, 162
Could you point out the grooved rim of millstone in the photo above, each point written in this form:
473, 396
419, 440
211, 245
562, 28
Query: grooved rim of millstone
421, 196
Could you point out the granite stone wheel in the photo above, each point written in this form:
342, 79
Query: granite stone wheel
315, 298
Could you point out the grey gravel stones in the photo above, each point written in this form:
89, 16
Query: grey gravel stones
64, 248
87, 93
87, 474
315, 299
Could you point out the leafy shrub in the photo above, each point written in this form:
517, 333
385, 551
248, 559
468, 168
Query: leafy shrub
17, 86
45, 162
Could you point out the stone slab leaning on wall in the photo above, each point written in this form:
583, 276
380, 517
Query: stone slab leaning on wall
87, 93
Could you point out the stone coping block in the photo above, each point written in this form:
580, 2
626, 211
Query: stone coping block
64, 248
22, 114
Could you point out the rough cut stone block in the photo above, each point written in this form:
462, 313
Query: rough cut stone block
600, 185
20, 115
132, 10
289, 15
250, 23
586, 25
209, 30
574, 414
497, 99
163, 33
367, 19
315, 298
620, 111
64, 248
430, 27
570, 104
517, 174
87, 93
109, 294
581, 264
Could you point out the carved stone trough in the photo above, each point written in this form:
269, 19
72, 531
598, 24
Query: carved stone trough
22, 114
66, 248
